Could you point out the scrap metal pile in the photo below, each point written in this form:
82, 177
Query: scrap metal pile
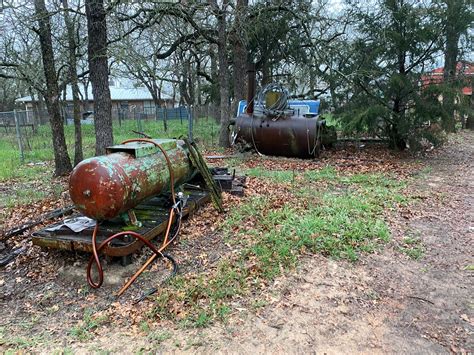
139, 190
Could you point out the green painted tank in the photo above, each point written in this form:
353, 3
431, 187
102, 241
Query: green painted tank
106, 186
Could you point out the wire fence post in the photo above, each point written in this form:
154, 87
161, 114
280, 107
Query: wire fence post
120, 113
138, 120
18, 136
190, 123
165, 118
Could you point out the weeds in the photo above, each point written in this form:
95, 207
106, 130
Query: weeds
89, 323
15, 344
158, 337
412, 247
275, 175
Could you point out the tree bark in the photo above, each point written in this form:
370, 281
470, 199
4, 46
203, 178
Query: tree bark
223, 73
396, 139
450, 60
240, 56
99, 74
62, 163
215, 85
266, 72
470, 117
72, 49
85, 85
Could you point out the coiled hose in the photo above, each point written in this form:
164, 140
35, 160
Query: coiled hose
175, 209
280, 105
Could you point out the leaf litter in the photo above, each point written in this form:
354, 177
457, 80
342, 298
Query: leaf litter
200, 246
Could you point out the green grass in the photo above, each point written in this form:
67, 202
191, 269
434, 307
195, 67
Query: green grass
412, 247
342, 220
275, 175
39, 159
83, 331
16, 344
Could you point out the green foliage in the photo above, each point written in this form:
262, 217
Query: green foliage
159, 336
276, 175
274, 35
397, 41
14, 344
412, 247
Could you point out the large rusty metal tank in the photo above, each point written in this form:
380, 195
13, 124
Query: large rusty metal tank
299, 137
106, 186
269, 125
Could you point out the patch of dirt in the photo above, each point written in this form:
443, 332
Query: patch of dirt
350, 158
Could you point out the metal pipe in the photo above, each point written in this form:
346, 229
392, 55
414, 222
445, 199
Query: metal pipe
251, 89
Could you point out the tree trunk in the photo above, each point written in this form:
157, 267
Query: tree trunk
240, 56
156, 100
396, 138
183, 83
266, 72
450, 60
86, 95
99, 74
215, 99
223, 74
62, 163
72, 48
198, 83
470, 117
332, 90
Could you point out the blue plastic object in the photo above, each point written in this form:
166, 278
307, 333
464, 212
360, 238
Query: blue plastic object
307, 108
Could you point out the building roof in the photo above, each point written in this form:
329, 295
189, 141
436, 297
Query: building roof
436, 76
116, 94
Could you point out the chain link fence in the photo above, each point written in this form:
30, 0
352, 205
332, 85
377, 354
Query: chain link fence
24, 124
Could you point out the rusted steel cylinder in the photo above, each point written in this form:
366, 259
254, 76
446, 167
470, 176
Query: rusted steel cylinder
289, 137
103, 187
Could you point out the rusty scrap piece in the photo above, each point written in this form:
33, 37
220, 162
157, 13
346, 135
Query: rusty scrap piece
104, 187
287, 136
111, 189
275, 129
152, 213
200, 164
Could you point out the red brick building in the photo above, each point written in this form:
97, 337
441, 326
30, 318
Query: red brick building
464, 71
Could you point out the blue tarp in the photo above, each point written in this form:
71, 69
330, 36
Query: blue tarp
301, 107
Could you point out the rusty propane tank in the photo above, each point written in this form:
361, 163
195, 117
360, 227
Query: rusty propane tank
103, 187
299, 137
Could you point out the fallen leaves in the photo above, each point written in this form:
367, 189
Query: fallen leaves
350, 159
200, 243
